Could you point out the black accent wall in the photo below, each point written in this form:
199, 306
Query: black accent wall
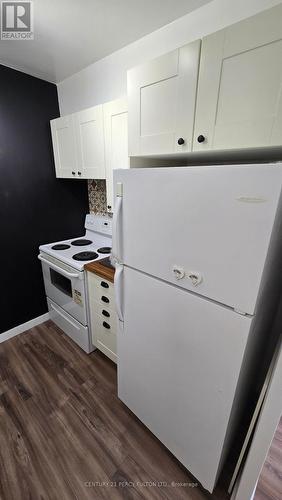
35, 207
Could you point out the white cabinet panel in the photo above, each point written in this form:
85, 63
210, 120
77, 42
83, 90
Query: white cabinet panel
90, 143
78, 143
239, 101
158, 105
116, 141
104, 335
64, 147
103, 318
161, 102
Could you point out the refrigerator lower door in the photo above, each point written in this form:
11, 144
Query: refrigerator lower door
179, 358
206, 229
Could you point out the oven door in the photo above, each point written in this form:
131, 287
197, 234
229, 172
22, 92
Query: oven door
64, 285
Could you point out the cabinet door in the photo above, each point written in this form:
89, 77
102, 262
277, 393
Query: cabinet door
116, 141
90, 143
103, 320
161, 102
63, 138
239, 96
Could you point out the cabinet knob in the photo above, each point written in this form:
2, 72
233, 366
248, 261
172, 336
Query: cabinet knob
79, 173
73, 173
105, 299
180, 141
201, 138
104, 284
106, 325
106, 313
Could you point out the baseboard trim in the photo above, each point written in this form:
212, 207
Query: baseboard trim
22, 328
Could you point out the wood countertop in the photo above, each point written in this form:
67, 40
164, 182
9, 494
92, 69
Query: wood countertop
101, 268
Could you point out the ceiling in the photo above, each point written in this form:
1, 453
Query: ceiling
71, 34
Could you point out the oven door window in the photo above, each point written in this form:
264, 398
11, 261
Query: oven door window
61, 282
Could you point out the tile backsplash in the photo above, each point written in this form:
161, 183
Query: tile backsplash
97, 196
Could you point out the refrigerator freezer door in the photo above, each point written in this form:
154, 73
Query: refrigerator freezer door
206, 229
179, 357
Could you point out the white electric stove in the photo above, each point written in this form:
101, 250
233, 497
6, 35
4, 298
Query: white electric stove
64, 278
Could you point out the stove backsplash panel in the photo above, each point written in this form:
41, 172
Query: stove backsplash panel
97, 196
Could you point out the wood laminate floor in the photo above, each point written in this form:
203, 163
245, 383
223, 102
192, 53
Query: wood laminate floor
270, 481
65, 435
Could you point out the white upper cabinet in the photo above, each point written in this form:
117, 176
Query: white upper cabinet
64, 146
116, 141
78, 144
161, 102
239, 103
90, 143
222, 93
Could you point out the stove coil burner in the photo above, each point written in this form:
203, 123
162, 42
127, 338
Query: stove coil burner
104, 250
60, 246
85, 256
81, 242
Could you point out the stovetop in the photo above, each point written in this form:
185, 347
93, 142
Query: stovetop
92, 246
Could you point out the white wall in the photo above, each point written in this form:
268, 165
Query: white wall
106, 79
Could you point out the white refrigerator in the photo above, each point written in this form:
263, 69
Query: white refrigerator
194, 250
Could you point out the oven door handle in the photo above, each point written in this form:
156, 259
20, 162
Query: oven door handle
57, 268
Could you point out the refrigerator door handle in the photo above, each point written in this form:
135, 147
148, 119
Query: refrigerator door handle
195, 277
116, 250
119, 290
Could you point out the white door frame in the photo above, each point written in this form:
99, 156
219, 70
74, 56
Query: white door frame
267, 424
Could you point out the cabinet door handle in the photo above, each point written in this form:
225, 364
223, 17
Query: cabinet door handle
105, 299
106, 325
201, 138
104, 284
106, 313
180, 141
